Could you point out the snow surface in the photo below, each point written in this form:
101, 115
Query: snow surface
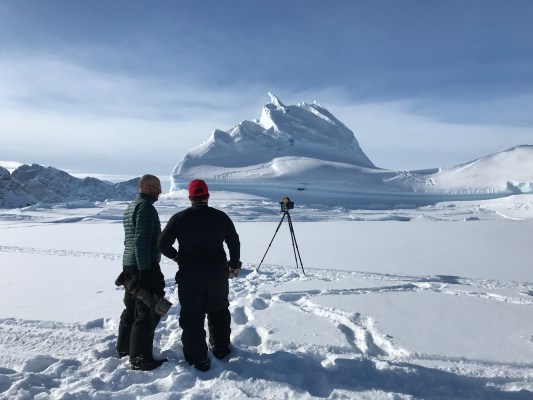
425, 303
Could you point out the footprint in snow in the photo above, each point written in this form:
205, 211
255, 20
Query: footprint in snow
259, 304
290, 297
239, 316
38, 364
250, 337
5, 383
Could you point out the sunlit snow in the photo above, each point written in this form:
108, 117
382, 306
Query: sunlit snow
422, 303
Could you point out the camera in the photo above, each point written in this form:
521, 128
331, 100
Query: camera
286, 204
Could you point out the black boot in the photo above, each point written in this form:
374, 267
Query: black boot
221, 353
202, 364
146, 364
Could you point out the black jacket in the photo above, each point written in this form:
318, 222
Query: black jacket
201, 232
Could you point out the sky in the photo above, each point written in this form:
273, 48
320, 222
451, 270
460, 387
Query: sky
128, 87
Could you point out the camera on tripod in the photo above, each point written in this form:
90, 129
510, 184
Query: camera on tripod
286, 204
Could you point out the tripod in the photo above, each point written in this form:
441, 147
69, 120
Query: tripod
293, 238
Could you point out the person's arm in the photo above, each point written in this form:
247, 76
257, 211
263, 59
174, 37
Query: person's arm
167, 238
234, 247
144, 228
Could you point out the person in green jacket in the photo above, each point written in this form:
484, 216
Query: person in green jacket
141, 265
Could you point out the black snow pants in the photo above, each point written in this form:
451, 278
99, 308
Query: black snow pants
137, 322
202, 294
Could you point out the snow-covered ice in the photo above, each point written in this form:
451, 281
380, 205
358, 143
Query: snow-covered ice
427, 303
296, 149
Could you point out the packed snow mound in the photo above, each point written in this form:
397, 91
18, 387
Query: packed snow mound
507, 171
51, 185
305, 130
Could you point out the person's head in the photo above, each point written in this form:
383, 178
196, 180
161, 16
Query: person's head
198, 191
150, 185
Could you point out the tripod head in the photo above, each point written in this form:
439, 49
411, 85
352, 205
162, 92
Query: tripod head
286, 204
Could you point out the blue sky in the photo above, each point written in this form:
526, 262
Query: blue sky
128, 87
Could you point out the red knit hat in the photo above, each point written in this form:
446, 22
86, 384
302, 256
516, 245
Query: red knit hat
197, 188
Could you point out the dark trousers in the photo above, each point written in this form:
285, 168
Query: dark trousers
136, 327
201, 296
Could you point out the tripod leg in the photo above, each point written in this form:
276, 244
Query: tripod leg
277, 229
293, 239
295, 244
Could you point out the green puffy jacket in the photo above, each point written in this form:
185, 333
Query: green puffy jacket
141, 230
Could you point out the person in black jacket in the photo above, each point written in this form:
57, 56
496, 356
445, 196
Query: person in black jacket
141, 265
203, 273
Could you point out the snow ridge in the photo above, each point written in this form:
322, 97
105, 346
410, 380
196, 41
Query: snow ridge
305, 130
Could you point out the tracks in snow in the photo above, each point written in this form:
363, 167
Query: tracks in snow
360, 331
53, 353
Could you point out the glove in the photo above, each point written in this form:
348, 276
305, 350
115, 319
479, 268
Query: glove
235, 264
234, 267
153, 280
159, 304
120, 279
129, 285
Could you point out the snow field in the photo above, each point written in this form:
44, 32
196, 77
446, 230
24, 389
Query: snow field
432, 303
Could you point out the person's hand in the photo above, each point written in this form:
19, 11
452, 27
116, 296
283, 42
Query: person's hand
234, 268
234, 272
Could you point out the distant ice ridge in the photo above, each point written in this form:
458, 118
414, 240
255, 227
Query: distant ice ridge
305, 130
304, 149
30, 184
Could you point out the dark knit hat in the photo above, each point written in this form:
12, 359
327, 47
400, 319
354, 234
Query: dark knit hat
198, 188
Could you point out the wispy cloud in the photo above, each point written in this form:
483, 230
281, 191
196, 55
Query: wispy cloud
61, 86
